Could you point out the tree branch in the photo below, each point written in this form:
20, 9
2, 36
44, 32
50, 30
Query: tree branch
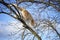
8, 14
50, 24
22, 21
47, 3
7, 5
16, 9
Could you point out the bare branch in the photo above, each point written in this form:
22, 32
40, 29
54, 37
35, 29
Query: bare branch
22, 21
16, 9
23, 34
8, 14
47, 3
50, 24
7, 5
29, 28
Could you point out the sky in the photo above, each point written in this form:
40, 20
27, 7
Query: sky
4, 17
6, 29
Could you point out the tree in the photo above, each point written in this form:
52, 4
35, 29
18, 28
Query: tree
18, 17
44, 21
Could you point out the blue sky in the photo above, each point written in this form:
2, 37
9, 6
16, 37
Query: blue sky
5, 18
5, 29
